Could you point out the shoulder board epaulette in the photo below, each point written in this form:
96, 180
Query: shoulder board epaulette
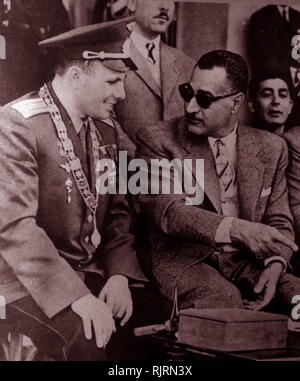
30, 107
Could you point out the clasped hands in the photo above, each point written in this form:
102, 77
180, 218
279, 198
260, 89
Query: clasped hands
97, 314
267, 240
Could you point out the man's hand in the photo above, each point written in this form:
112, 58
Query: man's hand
265, 287
117, 296
259, 238
94, 311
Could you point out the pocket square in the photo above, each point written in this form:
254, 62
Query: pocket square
266, 192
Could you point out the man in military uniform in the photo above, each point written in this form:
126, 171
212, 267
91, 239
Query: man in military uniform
56, 229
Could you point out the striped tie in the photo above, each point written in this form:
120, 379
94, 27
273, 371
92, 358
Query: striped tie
223, 167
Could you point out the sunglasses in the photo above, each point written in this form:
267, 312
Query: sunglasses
203, 99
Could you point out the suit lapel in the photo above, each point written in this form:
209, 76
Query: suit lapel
169, 72
143, 70
250, 172
197, 147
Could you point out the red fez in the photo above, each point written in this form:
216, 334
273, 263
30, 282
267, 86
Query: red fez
107, 42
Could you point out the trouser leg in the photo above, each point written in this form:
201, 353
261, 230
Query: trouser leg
61, 337
201, 286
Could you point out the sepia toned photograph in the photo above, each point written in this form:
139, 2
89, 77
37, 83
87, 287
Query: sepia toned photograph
149, 183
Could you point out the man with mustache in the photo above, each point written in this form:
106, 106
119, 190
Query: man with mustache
237, 243
270, 102
67, 255
151, 92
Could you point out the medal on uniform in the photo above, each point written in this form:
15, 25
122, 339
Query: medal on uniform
69, 184
95, 237
74, 165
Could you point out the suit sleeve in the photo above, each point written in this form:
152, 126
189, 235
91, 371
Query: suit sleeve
293, 178
171, 212
277, 212
25, 247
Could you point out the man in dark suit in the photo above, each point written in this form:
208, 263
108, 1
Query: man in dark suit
151, 92
269, 37
270, 34
61, 240
237, 243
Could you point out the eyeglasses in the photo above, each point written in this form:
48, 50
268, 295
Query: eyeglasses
203, 99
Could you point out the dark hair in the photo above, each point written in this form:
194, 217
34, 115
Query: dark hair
234, 64
61, 65
258, 78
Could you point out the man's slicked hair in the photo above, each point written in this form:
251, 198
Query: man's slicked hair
234, 64
263, 76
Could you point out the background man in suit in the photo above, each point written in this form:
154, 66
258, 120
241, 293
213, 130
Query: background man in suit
270, 34
151, 92
24, 24
56, 231
270, 102
238, 241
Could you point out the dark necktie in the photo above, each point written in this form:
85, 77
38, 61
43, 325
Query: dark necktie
284, 14
285, 20
150, 47
85, 137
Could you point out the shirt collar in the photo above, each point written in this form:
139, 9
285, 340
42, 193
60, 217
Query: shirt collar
282, 8
140, 41
228, 140
279, 131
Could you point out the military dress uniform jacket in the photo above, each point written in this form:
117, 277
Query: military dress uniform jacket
180, 233
146, 102
43, 238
